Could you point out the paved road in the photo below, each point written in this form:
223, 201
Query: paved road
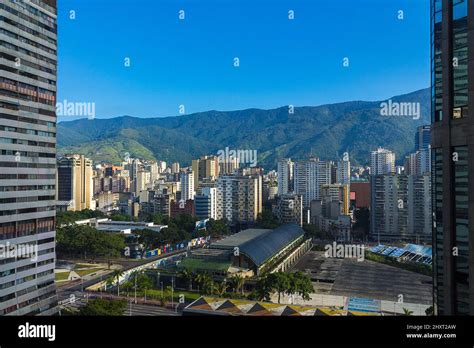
145, 310
136, 309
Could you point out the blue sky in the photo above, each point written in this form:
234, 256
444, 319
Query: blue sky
190, 62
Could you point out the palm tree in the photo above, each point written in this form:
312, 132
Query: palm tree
187, 275
115, 277
205, 283
238, 283
221, 288
407, 311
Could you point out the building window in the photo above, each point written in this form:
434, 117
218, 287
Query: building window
460, 59
436, 62
461, 204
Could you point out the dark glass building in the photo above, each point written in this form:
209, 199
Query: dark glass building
452, 143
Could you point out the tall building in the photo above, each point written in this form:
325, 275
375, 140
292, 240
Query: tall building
418, 163
285, 176
452, 130
175, 168
187, 185
239, 198
309, 177
423, 137
400, 208
28, 61
206, 203
288, 208
75, 182
343, 174
337, 192
205, 167
382, 161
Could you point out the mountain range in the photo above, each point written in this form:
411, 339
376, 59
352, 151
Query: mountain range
325, 131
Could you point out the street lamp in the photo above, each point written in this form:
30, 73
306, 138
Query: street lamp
172, 290
136, 287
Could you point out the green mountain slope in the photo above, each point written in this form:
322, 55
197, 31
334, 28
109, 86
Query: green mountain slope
327, 130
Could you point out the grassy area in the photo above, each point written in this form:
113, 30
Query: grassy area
84, 272
84, 265
155, 294
204, 264
418, 268
61, 276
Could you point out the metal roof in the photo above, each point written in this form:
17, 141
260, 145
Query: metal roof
237, 239
266, 245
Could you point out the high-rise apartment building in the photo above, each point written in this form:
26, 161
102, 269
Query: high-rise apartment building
206, 203
418, 163
343, 173
239, 198
423, 137
187, 185
288, 208
382, 161
175, 168
285, 176
309, 177
205, 167
452, 145
400, 208
28, 61
229, 165
337, 192
75, 182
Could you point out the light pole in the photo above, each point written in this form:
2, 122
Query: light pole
135, 288
172, 290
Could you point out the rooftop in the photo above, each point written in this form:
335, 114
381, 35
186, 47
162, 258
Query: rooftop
237, 239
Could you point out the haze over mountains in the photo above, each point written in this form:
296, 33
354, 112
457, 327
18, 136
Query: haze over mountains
325, 131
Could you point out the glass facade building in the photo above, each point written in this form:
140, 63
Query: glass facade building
28, 57
452, 146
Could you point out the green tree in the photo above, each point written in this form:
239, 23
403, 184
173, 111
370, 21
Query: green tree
217, 228
205, 283
300, 283
266, 219
115, 278
407, 311
279, 282
221, 288
187, 275
263, 289
237, 282
101, 307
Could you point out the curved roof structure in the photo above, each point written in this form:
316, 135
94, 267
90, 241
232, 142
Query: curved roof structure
266, 245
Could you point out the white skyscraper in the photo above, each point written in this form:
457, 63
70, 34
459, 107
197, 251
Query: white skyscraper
285, 176
382, 162
187, 185
309, 177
